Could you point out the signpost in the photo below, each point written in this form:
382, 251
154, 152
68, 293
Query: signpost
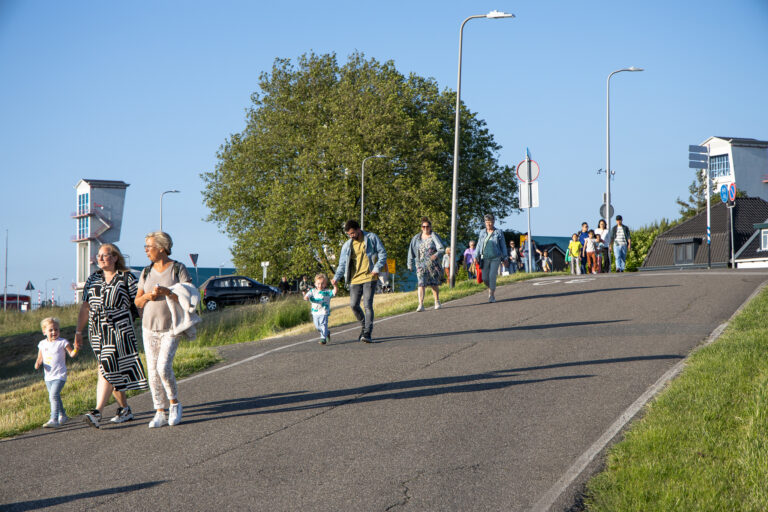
193, 257
528, 172
698, 158
728, 195
264, 265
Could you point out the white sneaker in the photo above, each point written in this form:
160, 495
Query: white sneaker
420, 308
63, 418
174, 414
438, 305
159, 420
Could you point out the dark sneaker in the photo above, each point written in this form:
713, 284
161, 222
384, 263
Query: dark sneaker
123, 414
323, 341
93, 418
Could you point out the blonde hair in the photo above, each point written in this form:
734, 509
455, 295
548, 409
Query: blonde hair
162, 239
323, 277
120, 261
49, 320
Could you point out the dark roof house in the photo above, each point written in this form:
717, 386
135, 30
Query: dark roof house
754, 253
685, 245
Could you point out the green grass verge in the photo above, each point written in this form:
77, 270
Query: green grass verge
24, 399
702, 443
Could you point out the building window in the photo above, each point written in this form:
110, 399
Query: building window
719, 166
82, 228
685, 251
764, 239
82, 203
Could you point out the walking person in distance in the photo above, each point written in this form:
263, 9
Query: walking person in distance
424, 254
491, 251
361, 261
622, 243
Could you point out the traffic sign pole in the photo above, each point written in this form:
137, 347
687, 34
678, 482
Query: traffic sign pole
698, 158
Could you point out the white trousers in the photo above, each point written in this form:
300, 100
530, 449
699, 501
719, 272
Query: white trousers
160, 348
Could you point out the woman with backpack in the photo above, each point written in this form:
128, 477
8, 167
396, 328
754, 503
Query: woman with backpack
160, 342
108, 311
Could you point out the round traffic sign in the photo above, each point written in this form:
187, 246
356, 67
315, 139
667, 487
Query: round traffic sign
724, 193
732, 192
602, 211
527, 171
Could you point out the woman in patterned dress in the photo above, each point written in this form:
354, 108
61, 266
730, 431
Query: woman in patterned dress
425, 254
107, 298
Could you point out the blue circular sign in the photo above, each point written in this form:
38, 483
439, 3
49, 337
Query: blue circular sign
724, 193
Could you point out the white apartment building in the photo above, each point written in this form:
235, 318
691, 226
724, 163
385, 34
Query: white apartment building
740, 161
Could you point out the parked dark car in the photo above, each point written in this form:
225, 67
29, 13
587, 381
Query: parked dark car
220, 291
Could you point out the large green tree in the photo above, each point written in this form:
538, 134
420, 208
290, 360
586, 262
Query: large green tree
283, 187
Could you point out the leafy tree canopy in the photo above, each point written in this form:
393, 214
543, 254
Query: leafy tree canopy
283, 187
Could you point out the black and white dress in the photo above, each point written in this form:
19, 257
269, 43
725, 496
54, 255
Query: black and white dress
110, 329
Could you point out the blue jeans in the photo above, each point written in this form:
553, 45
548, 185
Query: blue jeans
512, 267
54, 396
491, 272
364, 291
321, 323
620, 251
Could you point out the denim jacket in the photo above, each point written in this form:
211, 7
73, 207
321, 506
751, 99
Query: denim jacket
497, 237
413, 249
374, 249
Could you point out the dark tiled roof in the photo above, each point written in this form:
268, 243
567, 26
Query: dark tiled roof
751, 249
106, 183
748, 211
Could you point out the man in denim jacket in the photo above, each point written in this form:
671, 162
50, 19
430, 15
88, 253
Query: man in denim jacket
362, 258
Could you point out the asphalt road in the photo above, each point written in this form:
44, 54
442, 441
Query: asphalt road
476, 406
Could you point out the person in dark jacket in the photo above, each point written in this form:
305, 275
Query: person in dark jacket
622, 243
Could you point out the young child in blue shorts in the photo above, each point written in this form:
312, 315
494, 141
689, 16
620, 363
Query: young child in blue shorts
320, 297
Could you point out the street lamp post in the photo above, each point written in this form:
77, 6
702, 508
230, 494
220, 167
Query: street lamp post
455, 194
362, 187
46, 287
161, 204
608, 148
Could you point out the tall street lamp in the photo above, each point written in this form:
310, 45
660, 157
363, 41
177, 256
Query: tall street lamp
362, 187
455, 196
45, 297
161, 204
608, 146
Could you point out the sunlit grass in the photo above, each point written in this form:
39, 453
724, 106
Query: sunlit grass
703, 443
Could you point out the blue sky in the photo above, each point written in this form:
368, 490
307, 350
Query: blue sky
147, 91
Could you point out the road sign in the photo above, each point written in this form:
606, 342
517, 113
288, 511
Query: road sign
193, 257
698, 157
534, 196
30, 286
732, 192
724, 193
602, 211
528, 171
391, 265
265, 264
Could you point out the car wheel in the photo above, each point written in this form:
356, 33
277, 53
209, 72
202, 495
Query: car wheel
211, 305
264, 299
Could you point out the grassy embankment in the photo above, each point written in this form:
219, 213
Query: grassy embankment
23, 396
703, 442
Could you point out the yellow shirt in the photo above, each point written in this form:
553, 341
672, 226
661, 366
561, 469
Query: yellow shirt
361, 273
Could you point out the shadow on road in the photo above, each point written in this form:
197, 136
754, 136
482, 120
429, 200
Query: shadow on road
59, 500
414, 388
571, 294
560, 325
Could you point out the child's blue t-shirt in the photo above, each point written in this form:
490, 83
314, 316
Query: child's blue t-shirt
321, 301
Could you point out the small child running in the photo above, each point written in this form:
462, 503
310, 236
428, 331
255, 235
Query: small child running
320, 297
50, 356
